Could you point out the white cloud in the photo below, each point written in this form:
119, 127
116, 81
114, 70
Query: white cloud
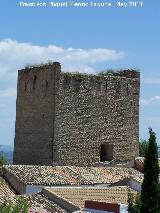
15, 55
150, 101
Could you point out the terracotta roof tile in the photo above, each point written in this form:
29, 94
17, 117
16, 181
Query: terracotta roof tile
69, 175
41, 202
78, 195
5, 189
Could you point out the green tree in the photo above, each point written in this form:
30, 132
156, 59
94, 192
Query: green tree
149, 192
130, 202
137, 204
6, 207
3, 160
143, 146
159, 197
21, 206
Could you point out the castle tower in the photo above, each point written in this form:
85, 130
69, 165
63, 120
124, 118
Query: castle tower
76, 119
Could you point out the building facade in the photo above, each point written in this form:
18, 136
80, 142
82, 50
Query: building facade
76, 119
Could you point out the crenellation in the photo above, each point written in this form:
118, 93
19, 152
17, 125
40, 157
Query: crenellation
104, 83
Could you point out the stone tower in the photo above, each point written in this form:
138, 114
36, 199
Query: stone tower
76, 119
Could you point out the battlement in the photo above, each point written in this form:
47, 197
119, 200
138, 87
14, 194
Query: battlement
108, 80
123, 82
74, 118
130, 73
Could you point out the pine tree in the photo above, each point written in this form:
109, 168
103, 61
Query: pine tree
149, 193
159, 197
130, 201
137, 204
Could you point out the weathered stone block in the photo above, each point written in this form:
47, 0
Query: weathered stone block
74, 119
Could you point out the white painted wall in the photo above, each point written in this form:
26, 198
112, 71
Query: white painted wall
30, 189
123, 208
135, 185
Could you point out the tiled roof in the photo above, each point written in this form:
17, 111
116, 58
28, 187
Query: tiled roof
5, 190
39, 202
78, 195
69, 175
11, 198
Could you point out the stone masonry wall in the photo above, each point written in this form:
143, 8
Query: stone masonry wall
64, 121
94, 111
35, 116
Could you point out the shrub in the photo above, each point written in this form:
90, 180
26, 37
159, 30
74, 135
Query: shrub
21, 206
3, 160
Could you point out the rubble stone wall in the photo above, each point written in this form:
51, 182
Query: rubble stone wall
60, 201
94, 111
65, 120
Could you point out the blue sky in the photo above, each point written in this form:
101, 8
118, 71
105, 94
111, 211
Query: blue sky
85, 39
